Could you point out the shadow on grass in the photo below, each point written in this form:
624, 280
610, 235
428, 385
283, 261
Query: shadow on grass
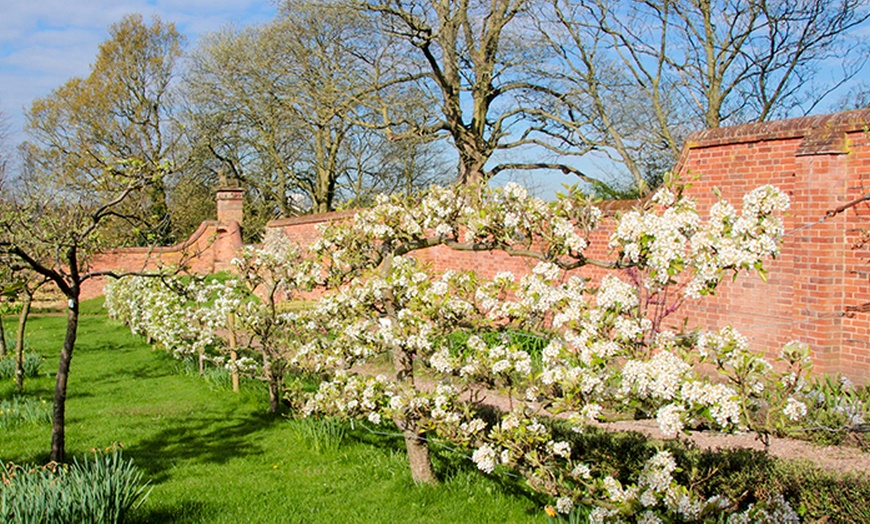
201, 440
124, 375
448, 460
186, 512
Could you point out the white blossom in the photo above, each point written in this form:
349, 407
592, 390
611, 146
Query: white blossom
795, 409
484, 457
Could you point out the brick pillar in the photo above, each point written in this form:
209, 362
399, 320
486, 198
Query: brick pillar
229, 205
229, 230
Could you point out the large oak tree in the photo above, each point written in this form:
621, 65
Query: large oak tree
474, 59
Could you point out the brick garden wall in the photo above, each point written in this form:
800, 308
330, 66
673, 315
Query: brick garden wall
209, 249
816, 288
821, 276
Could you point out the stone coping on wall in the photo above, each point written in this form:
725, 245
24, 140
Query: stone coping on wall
181, 246
311, 219
845, 122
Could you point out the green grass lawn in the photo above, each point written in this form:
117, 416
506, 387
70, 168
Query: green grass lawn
215, 456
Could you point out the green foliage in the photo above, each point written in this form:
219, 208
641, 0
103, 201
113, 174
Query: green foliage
836, 409
24, 410
102, 489
578, 515
31, 364
10, 308
742, 475
322, 435
218, 378
531, 343
823, 496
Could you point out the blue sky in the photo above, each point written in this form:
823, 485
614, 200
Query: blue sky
43, 43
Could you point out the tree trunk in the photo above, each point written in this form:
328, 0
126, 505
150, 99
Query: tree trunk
416, 444
273, 382
274, 395
231, 325
470, 172
403, 362
161, 225
418, 457
3, 350
69, 342
19, 341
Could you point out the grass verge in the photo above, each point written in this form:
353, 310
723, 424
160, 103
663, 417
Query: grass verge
213, 456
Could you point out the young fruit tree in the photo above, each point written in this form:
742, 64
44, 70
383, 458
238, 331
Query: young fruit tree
53, 227
19, 283
226, 321
606, 346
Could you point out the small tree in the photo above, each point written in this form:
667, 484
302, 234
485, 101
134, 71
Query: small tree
53, 228
21, 284
269, 275
236, 318
400, 309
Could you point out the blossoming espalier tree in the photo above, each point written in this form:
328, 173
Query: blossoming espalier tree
274, 273
197, 318
607, 345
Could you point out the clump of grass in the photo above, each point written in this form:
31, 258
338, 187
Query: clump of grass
24, 410
103, 489
220, 378
321, 434
217, 377
836, 411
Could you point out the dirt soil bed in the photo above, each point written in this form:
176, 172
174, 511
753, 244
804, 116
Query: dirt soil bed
845, 459
837, 458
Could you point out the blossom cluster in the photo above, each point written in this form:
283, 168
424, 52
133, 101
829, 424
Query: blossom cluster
169, 312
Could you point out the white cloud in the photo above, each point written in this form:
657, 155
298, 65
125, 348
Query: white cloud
43, 43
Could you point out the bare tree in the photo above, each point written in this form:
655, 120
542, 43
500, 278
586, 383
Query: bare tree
400, 166
93, 173
294, 108
473, 58
635, 77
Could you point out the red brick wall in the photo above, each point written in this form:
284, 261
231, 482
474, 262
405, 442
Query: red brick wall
209, 249
822, 162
